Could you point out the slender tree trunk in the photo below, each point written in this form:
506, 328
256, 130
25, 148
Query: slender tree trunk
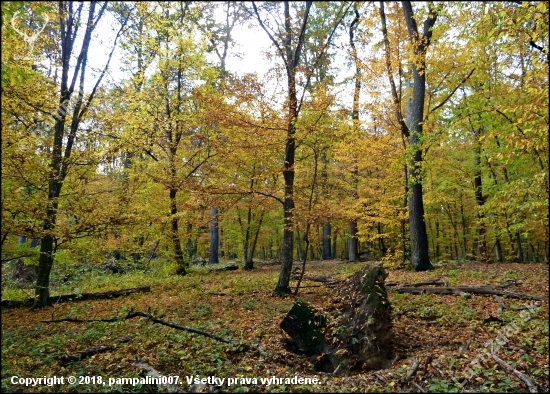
189, 244
353, 242
176, 242
249, 264
327, 255
519, 255
334, 243
246, 242
299, 248
437, 251
59, 159
498, 250
464, 230
480, 200
292, 59
214, 237
381, 245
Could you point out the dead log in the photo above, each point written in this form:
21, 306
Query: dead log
433, 282
69, 358
230, 266
327, 281
148, 316
78, 297
483, 290
532, 386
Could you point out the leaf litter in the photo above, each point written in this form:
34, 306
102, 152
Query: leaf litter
442, 335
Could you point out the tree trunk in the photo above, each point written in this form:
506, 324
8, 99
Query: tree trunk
246, 242
59, 159
480, 200
249, 264
498, 250
176, 242
437, 250
381, 246
519, 255
214, 237
189, 244
464, 230
334, 243
292, 60
404, 221
420, 258
327, 255
299, 247
353, 242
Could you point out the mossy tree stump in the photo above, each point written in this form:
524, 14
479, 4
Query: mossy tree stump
356, 336
304, 324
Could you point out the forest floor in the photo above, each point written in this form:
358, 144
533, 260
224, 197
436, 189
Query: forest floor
444, 334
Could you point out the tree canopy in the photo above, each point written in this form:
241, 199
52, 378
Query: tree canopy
420, 130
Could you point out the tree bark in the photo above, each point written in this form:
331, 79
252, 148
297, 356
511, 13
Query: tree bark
249, 264
480, 200
420, 258
176, 242
214, 237
327, 253
353, 242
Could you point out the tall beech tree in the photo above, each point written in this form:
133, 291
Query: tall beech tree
70, 21
353, 241
412, 126
420, 257
289, 43
220, 38
167, 122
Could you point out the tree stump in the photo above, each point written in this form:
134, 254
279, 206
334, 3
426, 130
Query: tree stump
356, 336
24, 274
304, 324
365, 321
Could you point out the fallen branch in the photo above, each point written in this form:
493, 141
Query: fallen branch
224, 267
433, 282
66, 359
318, 278
502, 306
171, 388
468, 289
509, 283
412, 371
177, 326
78, 297
148, 316
532, 386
